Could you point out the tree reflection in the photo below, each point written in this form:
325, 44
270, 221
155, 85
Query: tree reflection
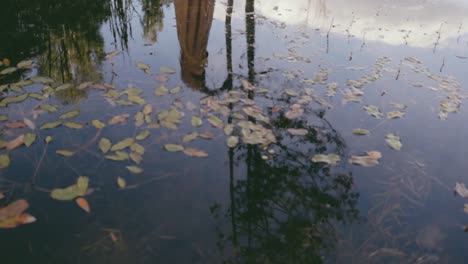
285, 208
193, 27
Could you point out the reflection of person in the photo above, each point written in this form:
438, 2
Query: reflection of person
193, 28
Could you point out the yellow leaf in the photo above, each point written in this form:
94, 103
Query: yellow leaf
64, 152
121, 182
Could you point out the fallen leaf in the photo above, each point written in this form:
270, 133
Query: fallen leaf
173, 147
161, 90
121, 182
73, 191
175, 90
196, 121
29, 123
134, 169
161, 78
135, 147
105, 145
371, 159
69, 114
29, 139
51, 125
167, 70
461, 190
393, 141
297, 132
135, 157
215, 121
64, 152
360, 131
118, 119
148, 109
143, 135
118, 156
15, 124
206, 135
4, 161
17, 220
48, 108
395, 114
247, 85
73, 125
15, 142
331, 159
15, 208
195, 152
136, 99
122, 144
232, 141
83, 204
144, 67
25, 64
189, 137
98, 124
139, 119
48, 139
373, 111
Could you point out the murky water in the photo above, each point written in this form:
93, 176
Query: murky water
248, 93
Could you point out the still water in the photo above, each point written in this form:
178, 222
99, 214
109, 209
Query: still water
226, 131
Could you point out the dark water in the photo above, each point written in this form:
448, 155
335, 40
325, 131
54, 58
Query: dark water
264, 200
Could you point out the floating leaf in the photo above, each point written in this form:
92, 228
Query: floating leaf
29, 139
15, 142
395, 114
4, 161
215, 121
247, 85
69, 114
331, 159
173, 147
232, 141
189, 137
105, 145
136, 99
121, 182
64, 152
49, 108
29, 123
295, 112
134, 169
371, 159
40, 79
8, 70
73, 125
148, 109
24, 64
176, 90
3, 118
98, 124
136, 157
15, 208
167, 70
119, 156
161, 78
83, 204
161, 90
118, 119
461, 190
51, 125
139, 119
143, 134
207, 135
13, 99
48, 139
122, 144
63, 87
393, 141
37, 96
298, 131
196, 121
73, 191
195, 152
17, 220
123, 102
373, 111
360, 131
144, 67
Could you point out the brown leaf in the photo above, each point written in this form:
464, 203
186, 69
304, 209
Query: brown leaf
15, 208
83, 204
15, 142
15, 124
195, 152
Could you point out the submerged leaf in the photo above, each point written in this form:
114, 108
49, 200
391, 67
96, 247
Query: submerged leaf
331, 159
393, 141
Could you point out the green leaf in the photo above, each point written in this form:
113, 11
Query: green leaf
136, 99
331, 159
118, 156
14, 99
167, 70
393, 141
215, 121
122, 144
4, 161
73, 125
48, 139
63, 87
143, 134
136, 157
144, 67
71, 192
395, 114
69, 114
40, 79
64, 152
29, 139
139, 119
360, 131
196, 121
173, 147
121, 182
48, 108
51, 125
134, 169
8, 70
189, 137
105, 145
135, 147
98, 124
37, 96
161, 90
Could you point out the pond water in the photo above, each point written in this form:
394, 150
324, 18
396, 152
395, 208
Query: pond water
159, 131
